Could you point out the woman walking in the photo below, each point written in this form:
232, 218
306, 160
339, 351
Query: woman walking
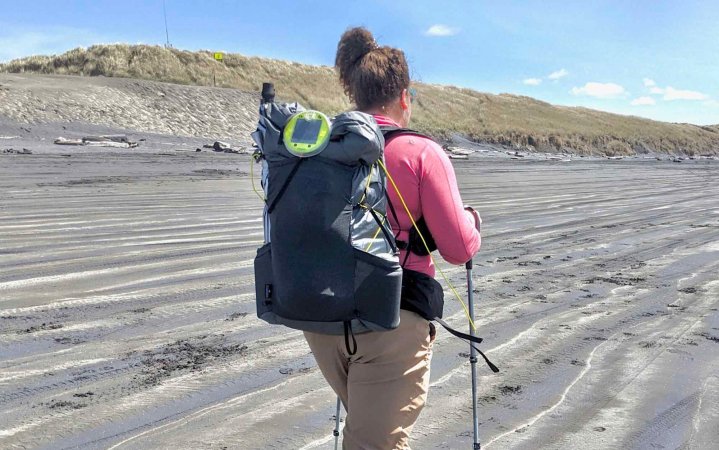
384, 385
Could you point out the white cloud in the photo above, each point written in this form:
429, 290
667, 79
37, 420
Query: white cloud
678, 94
599, 90
643, 101
558, 74
441, 30
669, 93
20, 42
533, 81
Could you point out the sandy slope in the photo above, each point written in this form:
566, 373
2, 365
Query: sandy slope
127, 311
131, 104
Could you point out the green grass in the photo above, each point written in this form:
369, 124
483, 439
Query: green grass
440, 110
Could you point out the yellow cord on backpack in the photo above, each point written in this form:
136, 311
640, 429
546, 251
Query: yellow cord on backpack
374, 237
414, 224
364, 196
253, 161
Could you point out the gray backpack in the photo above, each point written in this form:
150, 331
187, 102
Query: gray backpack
329, 263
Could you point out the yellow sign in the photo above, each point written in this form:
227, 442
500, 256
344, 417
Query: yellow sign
219, 56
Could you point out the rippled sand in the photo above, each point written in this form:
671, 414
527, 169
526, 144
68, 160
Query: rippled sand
127, 306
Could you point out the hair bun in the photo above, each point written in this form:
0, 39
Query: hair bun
370, 75
354, 44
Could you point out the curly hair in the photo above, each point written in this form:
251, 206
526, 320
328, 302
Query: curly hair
370, 75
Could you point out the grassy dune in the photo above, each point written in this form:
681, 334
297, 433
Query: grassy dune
506, 119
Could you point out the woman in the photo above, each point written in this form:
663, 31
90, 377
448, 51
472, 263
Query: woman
384, 385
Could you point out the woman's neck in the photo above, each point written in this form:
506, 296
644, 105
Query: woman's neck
394, 116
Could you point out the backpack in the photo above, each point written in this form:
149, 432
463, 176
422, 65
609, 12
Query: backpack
329, 263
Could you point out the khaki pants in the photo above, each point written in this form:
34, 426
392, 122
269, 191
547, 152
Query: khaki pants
384, 385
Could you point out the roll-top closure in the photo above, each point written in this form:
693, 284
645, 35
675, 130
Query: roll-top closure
355, 138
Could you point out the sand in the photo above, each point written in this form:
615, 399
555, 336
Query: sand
127, 305
137, 105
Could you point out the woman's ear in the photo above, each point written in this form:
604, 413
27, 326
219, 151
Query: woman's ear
404, 99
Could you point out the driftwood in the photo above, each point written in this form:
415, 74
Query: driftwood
461, 151
223, 147
64, 141
457, 153
24, 151
116, 141
109, 137
110, 144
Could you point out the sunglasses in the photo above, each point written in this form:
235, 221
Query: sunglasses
412, 94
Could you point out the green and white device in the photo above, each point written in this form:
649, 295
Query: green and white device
307, 133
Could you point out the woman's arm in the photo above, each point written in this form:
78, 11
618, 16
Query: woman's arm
453, 229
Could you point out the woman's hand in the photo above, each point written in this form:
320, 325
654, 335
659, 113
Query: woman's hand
476, 216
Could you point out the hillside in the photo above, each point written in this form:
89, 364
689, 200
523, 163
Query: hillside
440, 110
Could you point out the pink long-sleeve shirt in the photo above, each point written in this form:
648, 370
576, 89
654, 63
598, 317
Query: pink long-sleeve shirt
426, 179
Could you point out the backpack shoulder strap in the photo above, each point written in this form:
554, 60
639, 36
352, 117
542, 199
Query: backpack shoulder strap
415, 244
389, 132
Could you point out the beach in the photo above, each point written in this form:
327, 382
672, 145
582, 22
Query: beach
127, 315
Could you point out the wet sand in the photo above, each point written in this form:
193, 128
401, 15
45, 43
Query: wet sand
127, 306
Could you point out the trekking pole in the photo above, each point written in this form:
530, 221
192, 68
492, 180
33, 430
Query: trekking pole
336, 431
472, 356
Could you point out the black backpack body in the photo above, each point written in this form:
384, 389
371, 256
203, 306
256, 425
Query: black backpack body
330, 262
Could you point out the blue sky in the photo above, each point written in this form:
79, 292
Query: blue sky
656, 59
